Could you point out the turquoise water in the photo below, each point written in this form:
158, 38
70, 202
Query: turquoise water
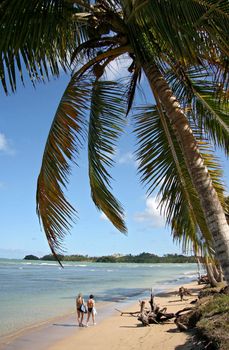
34, 291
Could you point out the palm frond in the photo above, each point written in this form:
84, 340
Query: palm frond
211, 115
136, 77
162, 166
63, 143
198, 94
105, 126
110, 55
186, 32
91, 45
38, 36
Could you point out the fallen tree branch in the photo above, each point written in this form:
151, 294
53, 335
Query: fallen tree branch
183, 310
128, 313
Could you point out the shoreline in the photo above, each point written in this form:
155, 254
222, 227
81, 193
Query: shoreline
124, 301
63, 332
29, 331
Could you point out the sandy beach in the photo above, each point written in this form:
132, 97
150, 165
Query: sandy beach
112, 331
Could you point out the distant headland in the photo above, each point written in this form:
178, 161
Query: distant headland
119, 258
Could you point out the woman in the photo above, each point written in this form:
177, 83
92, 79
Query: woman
91, 309
80, 313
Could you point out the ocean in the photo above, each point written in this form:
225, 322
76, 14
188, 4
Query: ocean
32, 292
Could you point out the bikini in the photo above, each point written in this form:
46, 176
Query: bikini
79, 306
91, 307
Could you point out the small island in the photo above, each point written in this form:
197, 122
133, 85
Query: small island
31, 257
119, 258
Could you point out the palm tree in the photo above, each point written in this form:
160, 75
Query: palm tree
227, 209
182, 48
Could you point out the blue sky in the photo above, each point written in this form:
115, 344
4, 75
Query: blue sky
25, 119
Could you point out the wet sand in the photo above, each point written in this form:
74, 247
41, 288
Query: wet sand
44, 334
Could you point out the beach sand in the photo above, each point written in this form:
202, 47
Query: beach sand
126, 332
112, 331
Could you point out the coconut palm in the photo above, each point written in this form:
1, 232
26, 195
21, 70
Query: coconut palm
182, 49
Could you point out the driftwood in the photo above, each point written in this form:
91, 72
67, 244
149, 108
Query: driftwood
146, 316
188, 317
161, 314
178, 313
182, 292
203, 279
181, 326
154, 315
127, 313
187, 320
157, 315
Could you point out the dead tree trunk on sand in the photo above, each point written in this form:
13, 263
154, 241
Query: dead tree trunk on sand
156, 315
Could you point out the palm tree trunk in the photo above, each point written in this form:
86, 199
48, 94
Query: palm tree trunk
213, 211
198, 267
210, 274
215, 272
221, 276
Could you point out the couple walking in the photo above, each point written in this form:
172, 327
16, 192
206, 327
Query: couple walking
88, 309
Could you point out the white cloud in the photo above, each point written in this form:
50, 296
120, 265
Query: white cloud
125, 158
3, 142
151, 215
5, 145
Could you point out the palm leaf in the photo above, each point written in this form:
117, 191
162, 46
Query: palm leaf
199, 94
38, 35
135, 78
106, 124
212, 116
63, 143
186, 32
162, 165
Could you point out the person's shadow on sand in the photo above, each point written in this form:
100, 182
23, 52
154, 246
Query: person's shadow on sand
64, 325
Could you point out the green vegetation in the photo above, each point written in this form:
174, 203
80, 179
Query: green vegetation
147, 258
31, 257
140, 258
214, 322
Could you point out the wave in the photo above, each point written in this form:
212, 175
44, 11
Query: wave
27, 263
48, 264
189, 272
178, 280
